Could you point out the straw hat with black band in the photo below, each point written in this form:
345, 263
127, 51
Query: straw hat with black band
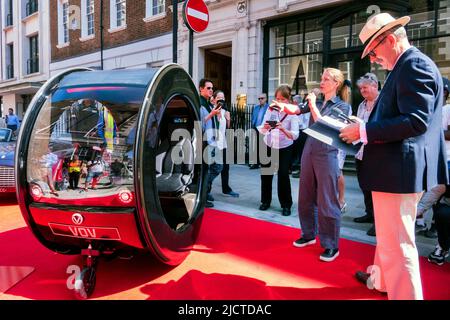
376, 25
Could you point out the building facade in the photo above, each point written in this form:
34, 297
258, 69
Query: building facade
253, 46
249, 46
24, 56
110, 34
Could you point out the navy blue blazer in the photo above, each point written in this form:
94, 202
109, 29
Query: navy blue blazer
405, 151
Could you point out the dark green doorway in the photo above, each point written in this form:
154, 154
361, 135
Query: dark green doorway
353, 67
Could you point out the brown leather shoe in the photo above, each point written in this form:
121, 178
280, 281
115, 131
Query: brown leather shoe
362, 277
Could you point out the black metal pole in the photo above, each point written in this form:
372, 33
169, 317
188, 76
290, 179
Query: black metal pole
191, 50
175, 30
101, 34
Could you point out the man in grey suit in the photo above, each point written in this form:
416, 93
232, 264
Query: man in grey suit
404, 152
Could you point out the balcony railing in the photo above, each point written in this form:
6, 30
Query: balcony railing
31, 7
9, 20
9, 71
32, 65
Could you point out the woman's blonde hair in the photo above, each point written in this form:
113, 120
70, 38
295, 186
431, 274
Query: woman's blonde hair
343, 90
285, 91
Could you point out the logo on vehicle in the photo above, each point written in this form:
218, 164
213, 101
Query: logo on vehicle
77, 218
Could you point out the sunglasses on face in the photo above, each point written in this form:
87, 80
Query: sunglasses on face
261, 98
372, 52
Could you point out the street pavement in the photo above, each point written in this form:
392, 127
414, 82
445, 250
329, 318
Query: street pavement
247, 183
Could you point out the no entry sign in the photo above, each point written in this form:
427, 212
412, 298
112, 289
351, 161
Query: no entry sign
196, 15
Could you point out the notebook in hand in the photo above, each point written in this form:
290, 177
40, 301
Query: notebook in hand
326, 129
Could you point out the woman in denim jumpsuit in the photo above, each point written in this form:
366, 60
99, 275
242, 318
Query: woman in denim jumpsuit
318, 190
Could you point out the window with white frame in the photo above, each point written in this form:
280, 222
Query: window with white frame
63, 22
33, 61
87, 25
118, 13
154, 7
30, 6
8, 13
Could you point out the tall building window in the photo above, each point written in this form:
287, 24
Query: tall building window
87, 11
9, 13
121, 13
63, 22
118, 14
33, 61
31, 7
154, 7
295, 55
65, 19
9, 61
90, 16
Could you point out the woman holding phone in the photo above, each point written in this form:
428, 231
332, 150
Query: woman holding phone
279, 130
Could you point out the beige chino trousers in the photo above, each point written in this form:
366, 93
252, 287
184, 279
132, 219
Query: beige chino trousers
396, 258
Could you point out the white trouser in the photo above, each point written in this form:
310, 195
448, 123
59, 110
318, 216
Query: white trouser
396, 254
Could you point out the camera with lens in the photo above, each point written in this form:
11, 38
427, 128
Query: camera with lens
221, 104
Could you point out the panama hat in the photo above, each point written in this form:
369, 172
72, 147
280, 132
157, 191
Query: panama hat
376, 25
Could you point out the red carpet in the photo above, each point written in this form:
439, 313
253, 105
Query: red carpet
235, 258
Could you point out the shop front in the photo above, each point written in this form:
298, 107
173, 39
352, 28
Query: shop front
296, 49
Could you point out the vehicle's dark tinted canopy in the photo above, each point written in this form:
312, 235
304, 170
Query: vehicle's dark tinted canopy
123, 86
140, 78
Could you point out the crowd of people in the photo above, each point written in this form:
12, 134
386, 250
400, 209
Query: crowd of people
402, 166
80, 167
62, 173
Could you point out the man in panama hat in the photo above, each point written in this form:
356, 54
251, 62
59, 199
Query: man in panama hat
404, 152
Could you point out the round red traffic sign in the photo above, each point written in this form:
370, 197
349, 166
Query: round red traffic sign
196, 15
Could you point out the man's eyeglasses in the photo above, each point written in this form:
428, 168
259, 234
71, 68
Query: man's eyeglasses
261, 98
372, 52
209, 88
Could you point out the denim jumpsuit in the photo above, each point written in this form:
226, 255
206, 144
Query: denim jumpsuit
318, 190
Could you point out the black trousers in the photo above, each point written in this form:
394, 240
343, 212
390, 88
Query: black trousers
368, 202
74, 177
367, 194
442, 222
225, 174
284, 182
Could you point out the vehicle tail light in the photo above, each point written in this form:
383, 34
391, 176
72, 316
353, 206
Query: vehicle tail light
125, 196
36, 192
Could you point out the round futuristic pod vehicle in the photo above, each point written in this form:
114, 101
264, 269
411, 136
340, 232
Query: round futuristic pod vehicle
107, 160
